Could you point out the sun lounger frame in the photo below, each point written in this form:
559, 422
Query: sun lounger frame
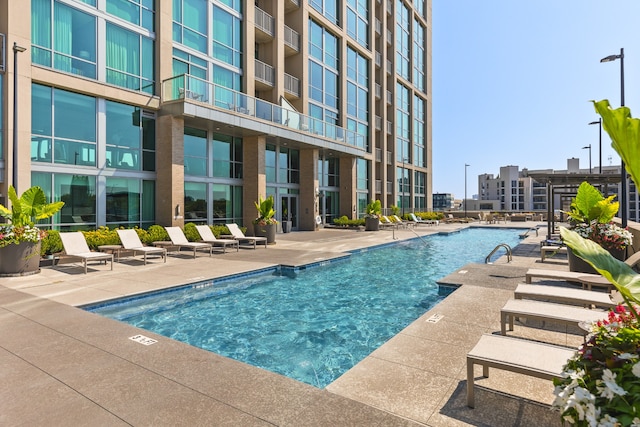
563, 295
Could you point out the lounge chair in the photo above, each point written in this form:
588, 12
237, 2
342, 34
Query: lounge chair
75, 246
399, 221
418, 221
517, 355
240, 237
131, 242
207, 236
180, 240
564, 295
386, 222
546, 311
551, 249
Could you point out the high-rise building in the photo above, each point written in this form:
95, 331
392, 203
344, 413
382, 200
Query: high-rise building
135, 112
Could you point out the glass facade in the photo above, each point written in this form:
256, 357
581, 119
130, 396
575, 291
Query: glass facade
420, 191
418, 55
227, 37
403, 125
323, 77
1, 116
130, 202
358, 21
358, 93
419, 129
65, 38
190, 23
130, 138
402, 39
77, 191
328, 8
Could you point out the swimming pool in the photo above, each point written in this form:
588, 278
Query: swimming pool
312, 324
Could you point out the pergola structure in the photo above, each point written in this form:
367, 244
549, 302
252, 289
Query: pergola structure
567, 184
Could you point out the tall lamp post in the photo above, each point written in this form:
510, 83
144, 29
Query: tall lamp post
465, 190
16, 49
589, 147
623, 171
599, 123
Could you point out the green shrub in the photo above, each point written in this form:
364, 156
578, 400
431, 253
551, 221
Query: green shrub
430, 215
102, 236
51, 244
155, 233
191, 232
344, 221
219, 230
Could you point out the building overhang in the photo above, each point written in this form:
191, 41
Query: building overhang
574, 179
229, 122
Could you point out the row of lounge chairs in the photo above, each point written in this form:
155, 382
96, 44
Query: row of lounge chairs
75, 244
558, 304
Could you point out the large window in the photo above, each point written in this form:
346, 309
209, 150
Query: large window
362, 174
227, 37
129, 59
418, 55
195, 202
138, 12
358, 21
195, 152
227, 203
282, 165
66, 133
419, 191
419, 129
130, 202
130, 138
357, 92
77, 191
63, 37
328, 8
329, 172
323, 81
227, 156
403, 48
403, 125
190, 23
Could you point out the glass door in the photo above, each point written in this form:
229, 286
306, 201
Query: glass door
289, 212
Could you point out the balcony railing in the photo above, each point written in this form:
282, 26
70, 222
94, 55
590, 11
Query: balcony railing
378, 186
291, 84
378, 154
389, 157
292, 38
378, 123
378, 59
3, 55
389, 97
192, 88
264, 72
264, 21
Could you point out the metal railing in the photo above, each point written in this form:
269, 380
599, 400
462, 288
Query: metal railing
264, 72
291, 84
501, 245
264, 21
194, 89
292, 38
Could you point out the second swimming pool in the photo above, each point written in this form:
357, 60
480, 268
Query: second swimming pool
312, 324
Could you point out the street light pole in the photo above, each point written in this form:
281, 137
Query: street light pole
589, 147
623, 171
16, 49
599, 123
465, 190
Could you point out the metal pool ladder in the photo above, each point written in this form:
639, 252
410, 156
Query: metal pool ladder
501, 245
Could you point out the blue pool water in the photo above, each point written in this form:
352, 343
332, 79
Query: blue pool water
312, 324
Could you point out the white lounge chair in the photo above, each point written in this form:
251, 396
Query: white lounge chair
180, 240
75, 246
399, 221
240, 237
563, 295
207, 236
386, 222
551, 249
521, 356
423, 221
546, 311
131, 242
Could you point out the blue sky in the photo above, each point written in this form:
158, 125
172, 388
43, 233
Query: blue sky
512, 82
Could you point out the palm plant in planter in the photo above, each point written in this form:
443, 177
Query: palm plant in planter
265, 224
372, 216
20, 239
591, 217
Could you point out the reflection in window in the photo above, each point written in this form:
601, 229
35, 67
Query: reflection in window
195, 202
227, 33
227, 156
78, 192
195, 152
130, 138
190, 23
129, 59
358, 21
130, 202
138, 12
63, 38
74, 120
227, 203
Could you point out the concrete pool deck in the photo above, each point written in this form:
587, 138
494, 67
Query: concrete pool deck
63, 366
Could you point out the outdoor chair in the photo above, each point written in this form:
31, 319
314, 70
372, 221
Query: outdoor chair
131, 242
207, 236
240, 237
180, 240
75, 246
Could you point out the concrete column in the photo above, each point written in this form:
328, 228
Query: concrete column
170, 168
347, 186
308, 199
254, 177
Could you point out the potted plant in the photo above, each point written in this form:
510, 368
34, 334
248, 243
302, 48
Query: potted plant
372, 216
20, 239
601, 383
591, 215
265, 224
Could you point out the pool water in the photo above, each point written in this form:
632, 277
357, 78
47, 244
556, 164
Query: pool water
313, 324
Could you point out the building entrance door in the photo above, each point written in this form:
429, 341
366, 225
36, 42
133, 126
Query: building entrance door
289, 212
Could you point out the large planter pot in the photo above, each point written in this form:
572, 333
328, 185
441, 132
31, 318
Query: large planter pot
268, 231
20, 260
581, 266
371, 224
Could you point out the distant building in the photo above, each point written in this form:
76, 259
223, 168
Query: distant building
443, 201
515, 190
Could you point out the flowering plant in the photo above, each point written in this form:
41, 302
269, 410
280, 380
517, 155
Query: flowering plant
608, 235
602, 381
25, 210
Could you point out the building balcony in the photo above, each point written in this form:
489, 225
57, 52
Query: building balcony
264, 73
292, 85
389, 158
290, 5
291, 41
378, 123
378, 154
378, 90
378, 59
389, 187
378, 186
389, 97
378, 27
204, 102
264, 25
